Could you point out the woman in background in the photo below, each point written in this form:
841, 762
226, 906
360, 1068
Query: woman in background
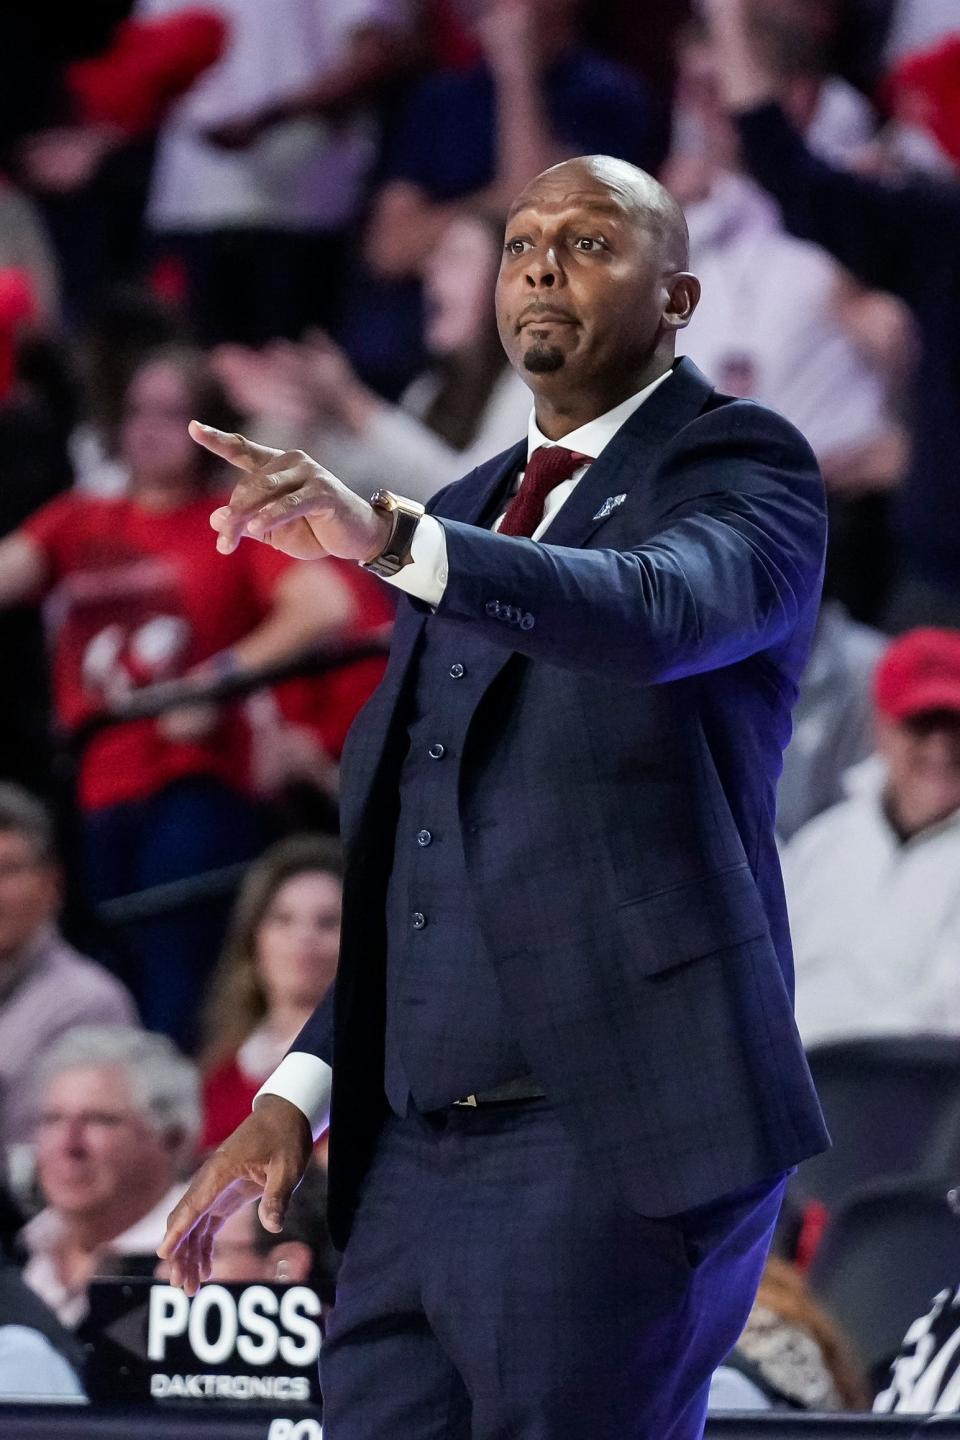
279, 961
467, 406
791, 1356
137, 595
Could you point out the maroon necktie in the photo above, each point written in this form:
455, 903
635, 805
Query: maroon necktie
547, 467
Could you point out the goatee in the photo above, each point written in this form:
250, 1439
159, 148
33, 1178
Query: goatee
543, 359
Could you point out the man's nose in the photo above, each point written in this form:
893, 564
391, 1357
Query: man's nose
72, 1137
543, 271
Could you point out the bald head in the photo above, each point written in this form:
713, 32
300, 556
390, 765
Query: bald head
629, 189
593, 286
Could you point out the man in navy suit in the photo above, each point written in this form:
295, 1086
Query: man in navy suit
568, 1086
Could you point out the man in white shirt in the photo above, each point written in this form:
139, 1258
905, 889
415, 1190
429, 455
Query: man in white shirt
568, 1082
873, 884
119, 1118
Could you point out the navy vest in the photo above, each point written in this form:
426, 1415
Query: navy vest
446, 1035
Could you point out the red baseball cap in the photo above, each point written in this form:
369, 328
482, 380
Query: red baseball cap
919, 672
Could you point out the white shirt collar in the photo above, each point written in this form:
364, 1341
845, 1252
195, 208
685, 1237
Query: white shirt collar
590, 439
42, 1235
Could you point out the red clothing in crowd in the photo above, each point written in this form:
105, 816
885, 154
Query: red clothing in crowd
18, 311
148, 64
228, 1095
140, 597
453, 45
327, 705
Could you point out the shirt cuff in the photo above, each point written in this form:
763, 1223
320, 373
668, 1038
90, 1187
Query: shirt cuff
425, 578
306, 1081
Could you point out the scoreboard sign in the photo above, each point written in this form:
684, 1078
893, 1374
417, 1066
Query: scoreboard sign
146, 1340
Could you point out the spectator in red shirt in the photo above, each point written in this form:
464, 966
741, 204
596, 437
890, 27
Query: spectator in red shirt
137, 595
279, 961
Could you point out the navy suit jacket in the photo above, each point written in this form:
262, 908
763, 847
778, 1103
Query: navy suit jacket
617, 801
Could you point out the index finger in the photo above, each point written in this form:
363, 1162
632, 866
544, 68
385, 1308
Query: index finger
237, 449
194, 1206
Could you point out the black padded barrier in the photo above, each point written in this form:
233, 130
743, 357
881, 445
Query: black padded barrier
75, 1422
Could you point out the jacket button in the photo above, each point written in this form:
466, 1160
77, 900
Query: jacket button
492, 607
423, 838
418, 920
456, 670
437, 751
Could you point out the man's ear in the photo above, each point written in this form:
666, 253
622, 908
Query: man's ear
682, 298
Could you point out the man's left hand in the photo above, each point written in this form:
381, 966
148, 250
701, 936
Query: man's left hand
287, 500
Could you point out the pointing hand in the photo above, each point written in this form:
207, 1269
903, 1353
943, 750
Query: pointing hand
290, 502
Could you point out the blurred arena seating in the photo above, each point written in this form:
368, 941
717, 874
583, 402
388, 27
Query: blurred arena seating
886, 1100
887, 1250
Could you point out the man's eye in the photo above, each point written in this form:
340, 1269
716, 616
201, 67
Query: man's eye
516, 247
587, 243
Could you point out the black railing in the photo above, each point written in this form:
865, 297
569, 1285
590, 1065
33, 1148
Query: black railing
155, 700
224, 1422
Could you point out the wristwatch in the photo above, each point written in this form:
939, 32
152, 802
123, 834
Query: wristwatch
405, 517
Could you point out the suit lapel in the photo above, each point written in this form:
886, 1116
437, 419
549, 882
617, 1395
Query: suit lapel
471, 501
630, 456
627, 460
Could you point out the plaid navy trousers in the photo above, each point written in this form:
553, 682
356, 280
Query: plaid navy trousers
494, 1287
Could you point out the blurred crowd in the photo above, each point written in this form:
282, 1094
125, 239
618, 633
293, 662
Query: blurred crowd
286, 219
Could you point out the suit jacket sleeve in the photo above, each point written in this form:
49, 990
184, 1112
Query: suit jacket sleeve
316, 1037
304, 1075
737, 560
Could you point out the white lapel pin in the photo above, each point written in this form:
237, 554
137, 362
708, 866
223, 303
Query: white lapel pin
608, 506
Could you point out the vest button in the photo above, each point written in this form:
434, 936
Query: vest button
424, 837
437, 751
418, 919
456, 670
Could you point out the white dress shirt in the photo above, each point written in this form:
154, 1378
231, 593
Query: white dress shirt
303, 1079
